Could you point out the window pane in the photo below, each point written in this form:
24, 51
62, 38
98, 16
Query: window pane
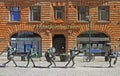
83, 16
82, 13
16, 9
13, 44
59, 15
15, 14
20, 46
59, 12
103, 13
36, 45
27, 47
35, 14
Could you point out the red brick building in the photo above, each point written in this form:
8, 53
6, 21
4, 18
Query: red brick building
62, 24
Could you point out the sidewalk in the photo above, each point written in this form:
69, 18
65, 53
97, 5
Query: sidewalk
80, 69
96, 68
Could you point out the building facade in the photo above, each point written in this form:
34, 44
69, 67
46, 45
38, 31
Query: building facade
63, 24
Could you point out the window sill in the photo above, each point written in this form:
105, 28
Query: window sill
14, 22
83, 22
103, 21
34, 21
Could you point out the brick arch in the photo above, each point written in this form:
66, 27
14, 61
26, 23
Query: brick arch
20, 28
24, 31
98, 28
95, 31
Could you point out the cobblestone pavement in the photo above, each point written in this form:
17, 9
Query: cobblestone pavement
96, 68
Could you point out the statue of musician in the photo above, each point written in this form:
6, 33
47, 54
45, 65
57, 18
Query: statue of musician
10, 55
73, 54
50, 57
29, 57
111, 56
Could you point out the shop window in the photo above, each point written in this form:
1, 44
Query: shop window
83, 11
35, 14
80, 46
94, 46
87, 46
24, 41
103, 13
20, 46
14, 14
59, 12
100, 46
13, 44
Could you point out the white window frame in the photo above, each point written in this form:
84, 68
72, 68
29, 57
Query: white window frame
105, 10
34, 9
82, 9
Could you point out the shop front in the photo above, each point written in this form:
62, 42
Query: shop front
97, 43
24, 41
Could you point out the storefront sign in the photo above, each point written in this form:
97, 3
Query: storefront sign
57, 27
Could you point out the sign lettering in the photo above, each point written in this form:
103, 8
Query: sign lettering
57, 27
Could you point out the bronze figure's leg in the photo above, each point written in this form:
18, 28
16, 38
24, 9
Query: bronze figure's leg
73, 63
33, 62
68, 62
53, 63
14, 62
115, 60
110, 59
7, 62
50, 64
28, 62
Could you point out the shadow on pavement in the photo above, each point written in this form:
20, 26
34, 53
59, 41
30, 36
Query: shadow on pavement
40, 67
52, 67
97, 67
21, 66
63, 67
1, 66
33, 67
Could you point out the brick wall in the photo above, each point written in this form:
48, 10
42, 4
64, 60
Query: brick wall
7, 28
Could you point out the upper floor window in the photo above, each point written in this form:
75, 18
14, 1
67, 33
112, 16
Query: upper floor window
59, 12
83, 11
103, 13
35, 14
14, 14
